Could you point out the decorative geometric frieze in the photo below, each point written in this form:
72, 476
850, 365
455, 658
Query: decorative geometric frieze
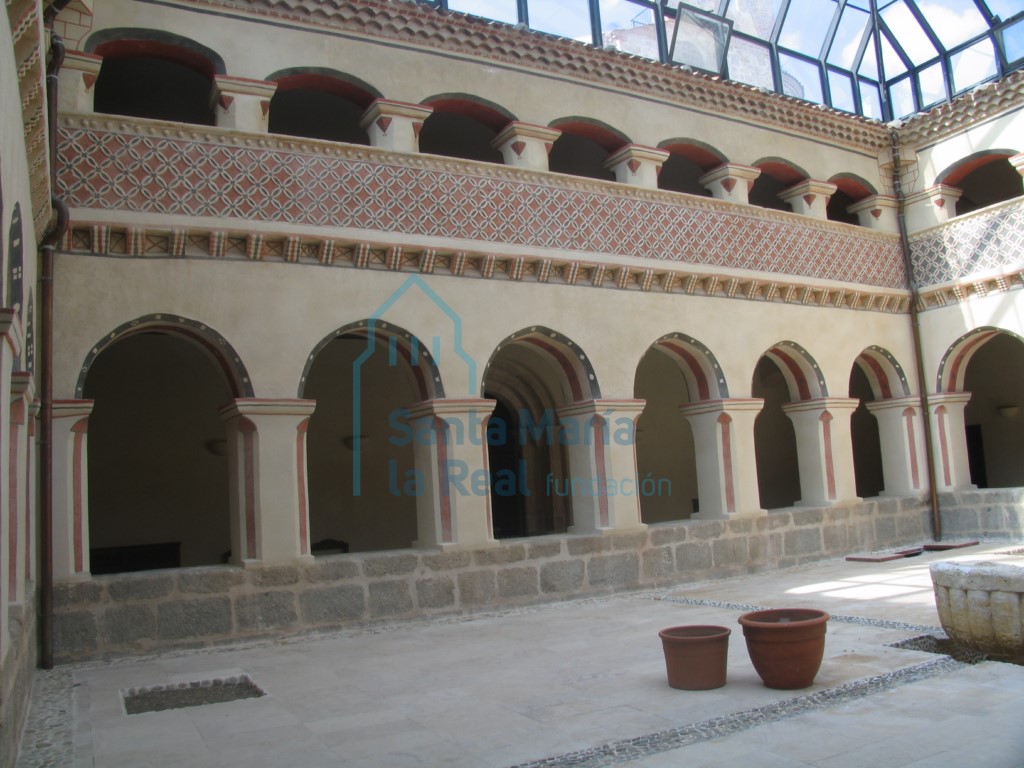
124, 165
987, 242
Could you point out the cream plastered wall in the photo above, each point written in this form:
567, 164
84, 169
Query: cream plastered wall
257, 50
274, 315
1005, 132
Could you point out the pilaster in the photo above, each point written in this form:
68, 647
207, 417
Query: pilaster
901, 439
453, 503
71, 489
394, 125
730, 182
600, 440
723, 436
949, 436
242, 103
637, 165
1017, 161
526, 146
824, 449
22, 393
268, 489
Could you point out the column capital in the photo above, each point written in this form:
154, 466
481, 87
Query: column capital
893, 403
518, 130
23, 385
77, 77
10, 328
80, 61
809, 197
394, 125
948, 398
878, 212
254, 406
730, 181
629, 406
450, 407
751, 404
1017, 161
243, 103
67, 409
232, 85
822, 404
523, 145
930, 207
637, 165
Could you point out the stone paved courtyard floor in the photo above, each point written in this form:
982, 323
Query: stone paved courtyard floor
579, 683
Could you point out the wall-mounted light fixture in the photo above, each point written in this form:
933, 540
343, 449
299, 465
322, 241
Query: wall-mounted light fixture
1008, 411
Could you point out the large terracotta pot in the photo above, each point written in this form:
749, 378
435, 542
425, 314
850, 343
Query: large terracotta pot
695, 656
786, 645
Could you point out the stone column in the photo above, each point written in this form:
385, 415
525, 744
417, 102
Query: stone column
877, 212
809, 197
526, 146
637, 165
76, 79
949, 436
22, 393
824, 449
268, 491
600, 439
394, 125
453, 500
902, 442
71, 489
931, 207
723, 436
730, 182
242, 103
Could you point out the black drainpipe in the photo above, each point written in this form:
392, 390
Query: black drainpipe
915, 324
45, 357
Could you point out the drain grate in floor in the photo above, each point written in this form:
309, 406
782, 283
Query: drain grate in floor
156, 698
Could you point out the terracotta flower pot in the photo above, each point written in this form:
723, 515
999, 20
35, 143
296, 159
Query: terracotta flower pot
695, 656
786, 645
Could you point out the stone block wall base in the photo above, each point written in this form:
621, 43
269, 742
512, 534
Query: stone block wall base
16, 677
138, 613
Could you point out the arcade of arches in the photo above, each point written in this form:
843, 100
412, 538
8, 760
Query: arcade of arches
158, 415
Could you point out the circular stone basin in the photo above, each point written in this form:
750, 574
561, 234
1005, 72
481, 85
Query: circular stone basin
981, 603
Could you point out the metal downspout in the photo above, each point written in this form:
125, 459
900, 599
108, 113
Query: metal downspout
45, 358
915, 324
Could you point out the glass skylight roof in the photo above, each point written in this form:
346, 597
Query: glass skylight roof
885, 59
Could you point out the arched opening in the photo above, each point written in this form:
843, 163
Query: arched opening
994, 416
786, 373
531, 375
158, 472
319, 104
583, 148
985, 178
155, 75
867, 451
688, 161
463, 126
850, 189
675, 371
360, 444
776, 175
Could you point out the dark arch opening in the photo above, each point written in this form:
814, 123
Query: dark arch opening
158, 472
317, 104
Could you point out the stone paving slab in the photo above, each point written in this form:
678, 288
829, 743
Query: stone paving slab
576, 683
